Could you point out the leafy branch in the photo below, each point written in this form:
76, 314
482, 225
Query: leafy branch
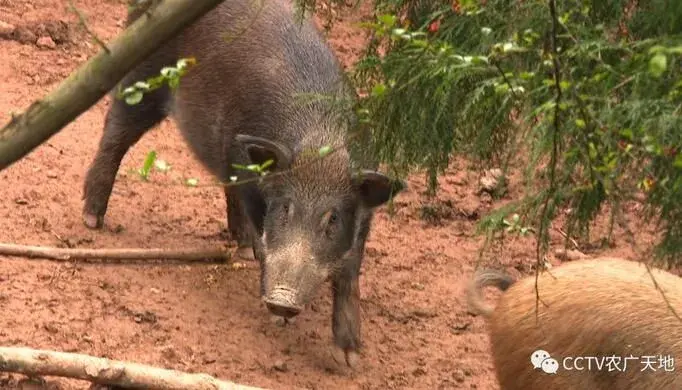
168, 75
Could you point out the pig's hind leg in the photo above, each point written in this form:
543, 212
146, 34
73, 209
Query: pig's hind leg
124, 125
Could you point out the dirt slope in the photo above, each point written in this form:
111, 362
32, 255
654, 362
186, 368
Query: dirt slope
207, 318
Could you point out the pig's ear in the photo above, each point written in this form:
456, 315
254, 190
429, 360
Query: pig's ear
376, 188
261, 150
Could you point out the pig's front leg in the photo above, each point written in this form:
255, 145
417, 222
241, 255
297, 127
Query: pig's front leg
346, 315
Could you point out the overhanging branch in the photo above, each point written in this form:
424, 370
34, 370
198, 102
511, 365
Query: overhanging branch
84, 87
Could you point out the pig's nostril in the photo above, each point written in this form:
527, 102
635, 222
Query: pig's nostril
282, 310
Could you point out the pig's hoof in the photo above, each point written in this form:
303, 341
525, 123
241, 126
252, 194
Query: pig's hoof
245, 253
347, 358
282, 321
93, 221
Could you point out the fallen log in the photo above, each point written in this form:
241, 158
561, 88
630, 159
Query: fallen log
66, 254
34, 362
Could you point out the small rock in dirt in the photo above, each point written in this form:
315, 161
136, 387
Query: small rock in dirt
459, 329
424, 313
52, 175
46, 43
419, 371
147, 316
52, 328
491, 179
44, 277
6, 29
458, 376
570, 254
417, 286
280, 366
21, 201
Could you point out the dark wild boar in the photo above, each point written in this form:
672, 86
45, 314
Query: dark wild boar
595, 308
244, 102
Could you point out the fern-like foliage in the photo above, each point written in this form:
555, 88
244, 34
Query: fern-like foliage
477, 78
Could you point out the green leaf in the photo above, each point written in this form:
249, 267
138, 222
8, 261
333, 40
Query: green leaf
378, 90
148, 163
580, 123
658, 64
184, 63
266, 164
627, 134
134, 98
141, 85
325, 150
168, 71
387, 20
678, 161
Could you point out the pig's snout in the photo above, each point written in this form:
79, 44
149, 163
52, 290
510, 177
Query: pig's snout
282, 302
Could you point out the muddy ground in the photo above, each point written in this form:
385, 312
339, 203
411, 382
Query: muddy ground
208, 318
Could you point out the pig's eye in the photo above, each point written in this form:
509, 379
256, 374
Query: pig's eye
333, 217
331, 224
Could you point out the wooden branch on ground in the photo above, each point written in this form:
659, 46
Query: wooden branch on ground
99, 75
103, 371
202, 254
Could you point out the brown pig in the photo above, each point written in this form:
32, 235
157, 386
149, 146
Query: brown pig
600, 324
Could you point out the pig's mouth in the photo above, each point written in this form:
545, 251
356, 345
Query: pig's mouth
282, 302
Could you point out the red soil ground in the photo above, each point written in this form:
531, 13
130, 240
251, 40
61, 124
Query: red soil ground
208, 318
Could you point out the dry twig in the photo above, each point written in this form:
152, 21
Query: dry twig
65, 254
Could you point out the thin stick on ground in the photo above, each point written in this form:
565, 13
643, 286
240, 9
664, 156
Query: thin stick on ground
565, 236
66, 254
33, 362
